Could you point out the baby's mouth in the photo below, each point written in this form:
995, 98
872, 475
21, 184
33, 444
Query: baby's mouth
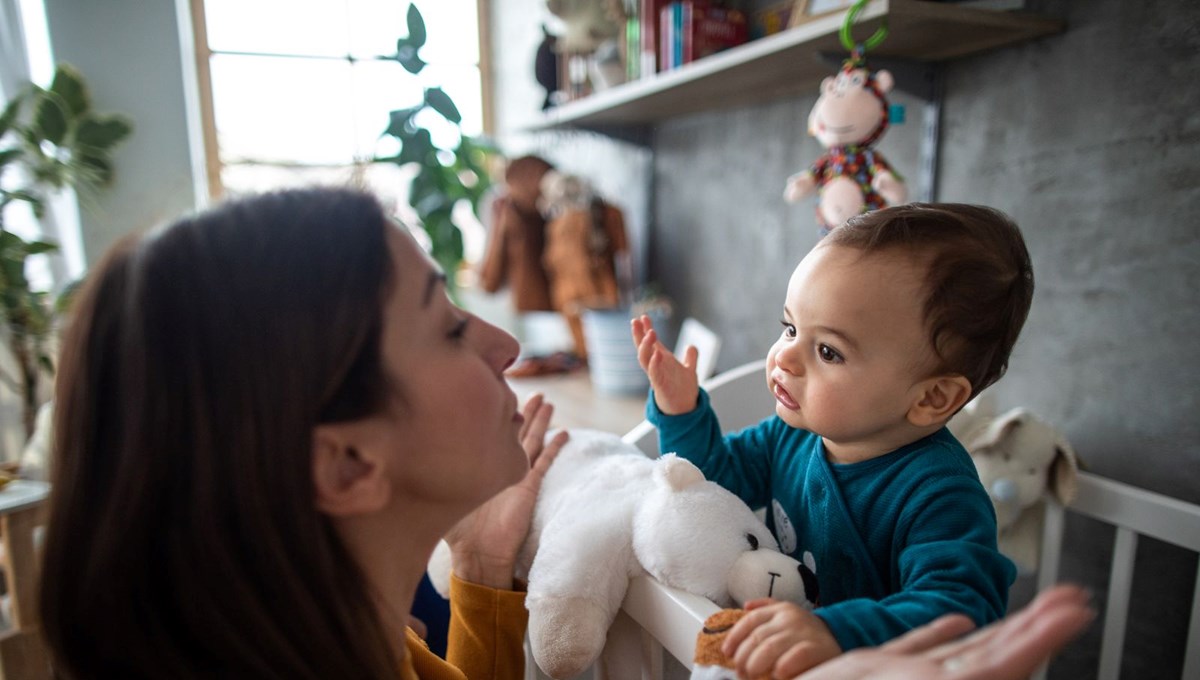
783, 397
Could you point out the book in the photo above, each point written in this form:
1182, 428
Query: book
708, 29
649, 31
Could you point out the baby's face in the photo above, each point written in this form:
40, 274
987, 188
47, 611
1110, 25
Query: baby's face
852, 351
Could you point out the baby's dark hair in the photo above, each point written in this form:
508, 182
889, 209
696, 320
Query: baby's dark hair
978, 282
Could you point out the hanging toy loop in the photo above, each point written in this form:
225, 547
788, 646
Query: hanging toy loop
858, 51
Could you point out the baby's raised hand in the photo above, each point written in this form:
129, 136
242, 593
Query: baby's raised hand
778, 640
675, 384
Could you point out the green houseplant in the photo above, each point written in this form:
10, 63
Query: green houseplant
51, 139
446, 175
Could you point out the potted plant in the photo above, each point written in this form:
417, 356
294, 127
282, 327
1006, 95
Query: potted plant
50, 139
445, 175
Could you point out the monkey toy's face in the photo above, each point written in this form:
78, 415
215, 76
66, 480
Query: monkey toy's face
848, 112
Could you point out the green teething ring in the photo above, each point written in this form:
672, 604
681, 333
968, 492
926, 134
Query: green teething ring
872, 42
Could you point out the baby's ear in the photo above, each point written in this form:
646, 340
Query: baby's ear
938, 398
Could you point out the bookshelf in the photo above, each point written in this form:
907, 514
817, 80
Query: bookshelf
790, 62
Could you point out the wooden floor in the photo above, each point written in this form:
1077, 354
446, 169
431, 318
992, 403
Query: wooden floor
578, 405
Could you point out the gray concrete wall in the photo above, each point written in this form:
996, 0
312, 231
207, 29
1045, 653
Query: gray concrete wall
131, 55
1089, 139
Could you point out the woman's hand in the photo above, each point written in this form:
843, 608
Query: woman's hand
675, 384
1009, 649
484, 544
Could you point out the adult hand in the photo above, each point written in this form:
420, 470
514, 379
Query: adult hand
1009, 649
484, 544
675, 384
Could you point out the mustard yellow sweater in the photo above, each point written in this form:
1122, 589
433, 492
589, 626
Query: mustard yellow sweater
487, 635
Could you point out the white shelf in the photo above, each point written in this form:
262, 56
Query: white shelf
789, 62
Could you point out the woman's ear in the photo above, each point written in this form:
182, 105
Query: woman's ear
346, 481
938, 398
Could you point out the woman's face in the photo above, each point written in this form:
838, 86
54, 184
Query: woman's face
451, 424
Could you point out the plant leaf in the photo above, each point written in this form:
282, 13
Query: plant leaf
9, 155
102, 132
407, 55
417, 147
49, 119
399, 121
34, 201
11, 111
439, 101
72, 92
416, 27
95, 169
39, 247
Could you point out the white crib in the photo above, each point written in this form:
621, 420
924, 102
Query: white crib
657, 621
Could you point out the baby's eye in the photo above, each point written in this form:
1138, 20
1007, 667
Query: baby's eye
829, 354
753, 540
459, 329
789, 329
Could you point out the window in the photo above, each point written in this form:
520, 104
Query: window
298, 91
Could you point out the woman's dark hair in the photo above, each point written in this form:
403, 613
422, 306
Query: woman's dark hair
978, 281
183, 538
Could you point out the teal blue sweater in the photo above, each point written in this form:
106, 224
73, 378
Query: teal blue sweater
895, 541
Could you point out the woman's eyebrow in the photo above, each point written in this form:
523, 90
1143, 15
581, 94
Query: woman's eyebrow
435, 277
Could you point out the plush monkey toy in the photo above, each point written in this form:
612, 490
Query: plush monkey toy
850, 116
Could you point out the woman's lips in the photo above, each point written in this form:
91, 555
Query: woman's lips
782, 396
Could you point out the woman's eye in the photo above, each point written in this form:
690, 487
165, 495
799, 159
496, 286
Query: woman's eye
789, 330
829, 354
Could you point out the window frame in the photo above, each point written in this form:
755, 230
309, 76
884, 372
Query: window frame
203, 60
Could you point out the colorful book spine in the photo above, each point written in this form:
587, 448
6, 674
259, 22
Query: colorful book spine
650, 36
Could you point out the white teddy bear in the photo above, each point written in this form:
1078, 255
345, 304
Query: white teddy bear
1021, 461
607, 513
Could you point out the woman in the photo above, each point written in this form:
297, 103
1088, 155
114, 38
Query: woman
266, 417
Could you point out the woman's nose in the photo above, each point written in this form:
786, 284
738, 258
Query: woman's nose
500, 348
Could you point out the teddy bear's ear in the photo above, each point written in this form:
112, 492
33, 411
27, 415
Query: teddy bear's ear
996, 431
677, 473
1064, 471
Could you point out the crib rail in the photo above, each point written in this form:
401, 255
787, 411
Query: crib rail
1134, 512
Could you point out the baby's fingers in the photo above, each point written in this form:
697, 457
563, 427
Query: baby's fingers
690, 356
740, 631
641, 325
760, 659
647, 348
638, 328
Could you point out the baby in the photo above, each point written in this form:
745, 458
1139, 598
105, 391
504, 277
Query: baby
891, 324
